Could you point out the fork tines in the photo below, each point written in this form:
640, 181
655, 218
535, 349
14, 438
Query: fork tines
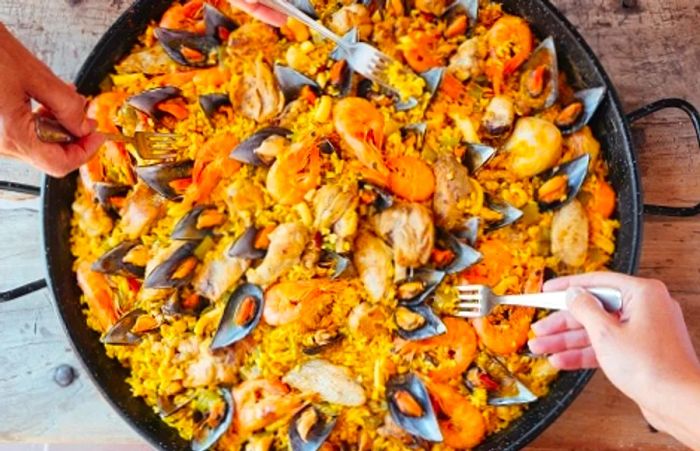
474, 301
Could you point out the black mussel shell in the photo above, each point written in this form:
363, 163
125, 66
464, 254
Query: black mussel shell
175, 305
465, 255
160, 176
327, 146
417, 322
468, 7
351, 37
510, 391
238, 320
210, 103
162, 275
433, 79
477, 155
549, 274
205, 437
365, 89
121, 333
339, 262
509, 212
468, 230
317, 431
383, 198
49, 130
320, 340
147, 101
245, 152
218, 26
186, 228
546, 52
590, 99
425, 425
292, 81
419, 286
244, 246
575, 171
174, 41
344, 86
105, 193
418, 129
112, 262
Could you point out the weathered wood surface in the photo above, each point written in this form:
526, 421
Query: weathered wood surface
650, 51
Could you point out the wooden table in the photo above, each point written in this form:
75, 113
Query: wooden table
650, 50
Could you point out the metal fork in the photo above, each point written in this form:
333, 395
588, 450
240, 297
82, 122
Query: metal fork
478, 300
149, 145
361, 57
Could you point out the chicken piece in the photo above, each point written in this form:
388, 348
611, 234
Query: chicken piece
372, 259
246, 41
331, 202
244, 195
258, 95
464, 64
583, 142
499, 116
287, 243
367, 320
218, 275
570, 234
352, 16
150, 61
94, 221
452, 186
345, 229
205, 368
410, 230
333, 383
142, 207
434, 7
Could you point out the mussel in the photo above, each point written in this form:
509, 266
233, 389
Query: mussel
499, 116
341, 77
383, 199
503, 388
122, 260
109, 195
410, 407
327, 146
320, 340
147, 101
175, 270
198, 223
417, 322
339, 262
210, 103
292, 81
309, 429
468, 230
539, 82
218, 25
188, 49
574, 116
217, 418
260, 148
178, 304
167, 179
130, 328
464, 255
562, 184
468, 7
242, 313
477, 155
418, 129
244, 246
509, 213
418, 287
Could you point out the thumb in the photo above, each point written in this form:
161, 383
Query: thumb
588, 311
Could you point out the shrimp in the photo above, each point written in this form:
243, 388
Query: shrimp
361, 126
509, 44
296, 171
464, 426
98, 295
372, 258
211, 164
460, 343
287, 302
287, 243
185, 17
410, 230
103, 109
505, 330
261, 402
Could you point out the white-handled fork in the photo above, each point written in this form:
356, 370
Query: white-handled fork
478, 300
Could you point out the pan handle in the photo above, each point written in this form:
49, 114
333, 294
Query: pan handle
692, 112
37, 284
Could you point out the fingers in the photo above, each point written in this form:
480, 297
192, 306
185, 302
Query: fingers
556, 322
588, 311
575, 359
59, 160
593, 279
563, 341
259, 11
64, 103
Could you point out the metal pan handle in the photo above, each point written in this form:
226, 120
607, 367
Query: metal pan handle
692, 112
37, 284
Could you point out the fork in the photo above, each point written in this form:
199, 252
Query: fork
149, 145
363, 58
478, 300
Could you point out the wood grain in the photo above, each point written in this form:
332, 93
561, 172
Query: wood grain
650, 51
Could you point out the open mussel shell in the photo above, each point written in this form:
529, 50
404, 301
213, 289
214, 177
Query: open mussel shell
383, 199
468, 230
180, 305
247, 151
575, 172
339, 262
309, 429
320, 340
188, 49
417, 322
509, 212
541, 95
112, 262
107, 193
206, 436
468, 7
188, 228
160, 177
588, 101
243, 312
464, 255
477, 155
210, 103
244, 246
217, 24
147, 101
419, 286
410, 407
418, 129
165, 274
503, 388
292, 81
123, 333
433, 79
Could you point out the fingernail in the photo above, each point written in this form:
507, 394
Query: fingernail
88, 126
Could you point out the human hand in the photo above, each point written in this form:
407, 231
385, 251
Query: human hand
23, 78
646, 352
259, 11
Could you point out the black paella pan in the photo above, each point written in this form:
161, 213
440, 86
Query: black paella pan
610, 125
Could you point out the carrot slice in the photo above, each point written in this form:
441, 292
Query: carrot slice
603, 200
411, 178
262, 240
451, 86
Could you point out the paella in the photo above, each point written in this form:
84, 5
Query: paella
285, 274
